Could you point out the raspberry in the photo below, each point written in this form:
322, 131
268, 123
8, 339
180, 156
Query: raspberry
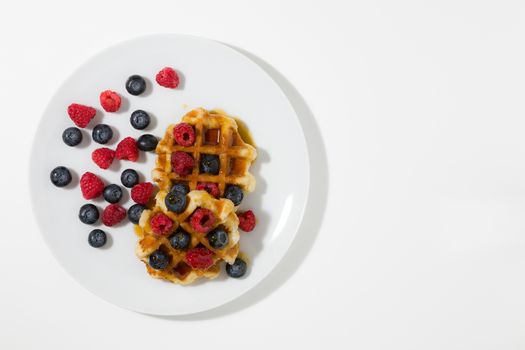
199, 258
141, 193
202, 220
113, 214
210, 187
184, 134
161, 224
91, 186
127, 150
81, 115
182, 163
103, 157
246, 221
168, 78
110, 101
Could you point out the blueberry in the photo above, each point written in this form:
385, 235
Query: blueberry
159, 260
234, 193
60, 176
102, 133
218, 238
180, 187
135, 85
139, 119
210, 164
175, 201
112, 193
72, 136
88, 214
129, 178
97, 238
134, 213
237, 269
180, 240
147, 142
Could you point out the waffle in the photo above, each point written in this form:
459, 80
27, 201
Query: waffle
178, 271
215, 134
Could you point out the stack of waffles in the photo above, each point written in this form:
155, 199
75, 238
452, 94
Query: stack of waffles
215, 134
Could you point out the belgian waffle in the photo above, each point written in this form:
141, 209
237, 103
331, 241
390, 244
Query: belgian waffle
178, 271
215, 134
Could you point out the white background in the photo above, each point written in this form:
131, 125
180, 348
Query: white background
420, 105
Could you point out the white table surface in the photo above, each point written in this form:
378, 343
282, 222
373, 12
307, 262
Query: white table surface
420, 106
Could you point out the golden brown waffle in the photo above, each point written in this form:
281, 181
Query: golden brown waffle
178, 271
215, 134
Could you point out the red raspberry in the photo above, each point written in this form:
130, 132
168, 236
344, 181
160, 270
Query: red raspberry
184, 134
141, 193
161, 224
127, 150
91, 186
202, 220
167, 77
113, 214
110, 101
210, 187
81, 115
199, 258
246, 221
182, 163
103, 157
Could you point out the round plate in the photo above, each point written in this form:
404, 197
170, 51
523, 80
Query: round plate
214, 76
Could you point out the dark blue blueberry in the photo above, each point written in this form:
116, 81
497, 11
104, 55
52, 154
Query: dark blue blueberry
72, 136
88, 214
134, 213
180, 187
129, 178
135, 85
210, 164
102, 133
97, 238
218, 238
234, 193
159, 260
175, 201
237, 269
60, 176
139, 119
147, 142
112, 193
180, 240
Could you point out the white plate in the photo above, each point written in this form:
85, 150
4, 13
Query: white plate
214, 76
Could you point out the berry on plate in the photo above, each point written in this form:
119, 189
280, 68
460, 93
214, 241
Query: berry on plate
141, 193
136, 85
139, 119
246, 220
168, 78
72, 136
237, 269
113, 214
81, 115
103, 157
97, 238
60, 176
112, 193
110, 101
127, 150
88, 214
129, 178
102, 133
147, 142
91, 186
134, 213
